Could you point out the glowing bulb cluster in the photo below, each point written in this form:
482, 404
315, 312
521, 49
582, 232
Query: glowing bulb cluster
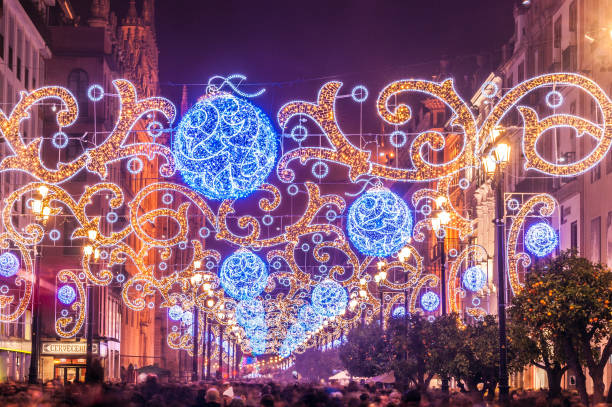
175, 312
9, 264
66, 294
379, 223
225, 147
541, 239
243, 275
474, 278
329, 298
430, 301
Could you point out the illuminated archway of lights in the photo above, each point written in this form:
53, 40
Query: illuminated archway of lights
135, 233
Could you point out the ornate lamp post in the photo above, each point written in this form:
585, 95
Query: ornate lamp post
196, 280
89, 251
494, 166
42, 212
379, 278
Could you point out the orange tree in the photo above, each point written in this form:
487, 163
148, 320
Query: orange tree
366, 351
565, 311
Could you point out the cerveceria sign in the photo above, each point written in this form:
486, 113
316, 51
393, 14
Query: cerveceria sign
67, 348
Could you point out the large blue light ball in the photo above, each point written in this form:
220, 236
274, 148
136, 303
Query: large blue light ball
243, 275
474, 278
66, 294
175, 312
541, 239
250, 312
430, 301
225, 146
398, 312
9, 264
329, 298
257, 331
309, 317
379, 223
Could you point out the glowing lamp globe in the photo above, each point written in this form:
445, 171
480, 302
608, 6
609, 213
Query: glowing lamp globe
398, 312
9, 264
250, 312
430, 301
541, 239
175, 312
225, 146
243, 275
379, 223
66, 294
474, 278
329, 298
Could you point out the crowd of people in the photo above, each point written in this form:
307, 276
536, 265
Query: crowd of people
151, 393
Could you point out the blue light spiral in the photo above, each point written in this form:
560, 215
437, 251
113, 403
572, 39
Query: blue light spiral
379, 223
243, 275
9, 264
430, 301
225, 146
66, 294
329, 298
474, 278
541, 239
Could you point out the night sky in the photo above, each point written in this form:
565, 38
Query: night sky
296, 46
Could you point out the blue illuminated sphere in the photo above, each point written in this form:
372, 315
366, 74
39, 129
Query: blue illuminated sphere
430, 301
250, 312
379, 223
257, 331
398, 312
225, 147
175, 312
541, 239
66, 294
9, 264
329, 298
243, 275
297, 332
309, 317
187, 318
474, 278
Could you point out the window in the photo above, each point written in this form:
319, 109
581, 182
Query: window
78, 81
521, 72
10, 58
26, 78
510, 81
569, 59
573, 16
18, 68
596, 239
1, 46
557, 33
596, 173
439, 119
574, 235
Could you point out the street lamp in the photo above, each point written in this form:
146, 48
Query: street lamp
39, 207
438, 222
195, 279
379, 278
494, 167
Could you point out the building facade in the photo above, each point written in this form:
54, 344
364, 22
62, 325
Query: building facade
23, 53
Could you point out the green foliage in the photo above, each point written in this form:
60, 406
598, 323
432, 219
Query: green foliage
315, 364
564, 312
366, 352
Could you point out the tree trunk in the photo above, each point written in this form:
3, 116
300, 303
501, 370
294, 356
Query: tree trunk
598, 385
554, 376
609, 399
574, 364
